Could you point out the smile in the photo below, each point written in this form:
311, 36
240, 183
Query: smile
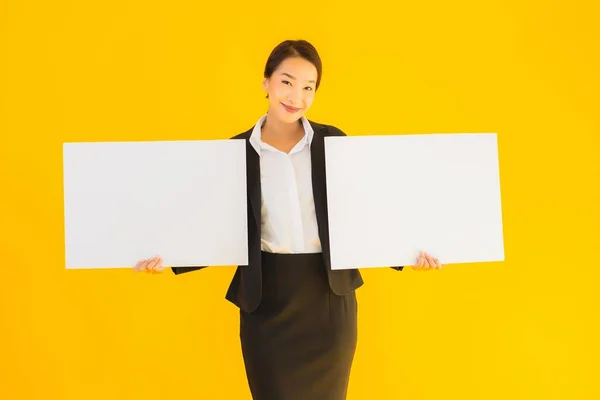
291, 109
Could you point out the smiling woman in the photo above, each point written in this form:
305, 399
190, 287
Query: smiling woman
292, 77
298, 317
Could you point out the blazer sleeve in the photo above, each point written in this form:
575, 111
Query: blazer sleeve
334, 131
183, 270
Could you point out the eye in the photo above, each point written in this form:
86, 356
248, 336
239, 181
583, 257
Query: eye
309, 88
286, 82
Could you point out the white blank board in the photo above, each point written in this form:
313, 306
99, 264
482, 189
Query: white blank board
391, 196
182, 200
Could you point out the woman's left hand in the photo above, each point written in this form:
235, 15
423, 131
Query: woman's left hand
425, 262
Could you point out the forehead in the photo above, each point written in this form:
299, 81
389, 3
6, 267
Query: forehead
299, 68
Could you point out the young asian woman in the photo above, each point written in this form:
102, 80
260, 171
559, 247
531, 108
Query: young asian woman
298, 317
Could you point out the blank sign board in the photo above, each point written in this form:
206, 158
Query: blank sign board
183, 200
391, 196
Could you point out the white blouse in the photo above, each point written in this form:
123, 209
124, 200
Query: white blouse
288, 219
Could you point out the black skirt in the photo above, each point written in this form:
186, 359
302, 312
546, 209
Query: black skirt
300, 342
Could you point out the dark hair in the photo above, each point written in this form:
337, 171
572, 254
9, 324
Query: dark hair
294, 48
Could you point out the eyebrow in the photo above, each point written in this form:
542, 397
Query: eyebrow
286, 74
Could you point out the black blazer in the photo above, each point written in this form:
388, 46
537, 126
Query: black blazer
245, 289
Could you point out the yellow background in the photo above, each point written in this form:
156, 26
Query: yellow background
124, 70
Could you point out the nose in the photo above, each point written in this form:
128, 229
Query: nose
294, 97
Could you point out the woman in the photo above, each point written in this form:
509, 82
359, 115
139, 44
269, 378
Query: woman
297, 316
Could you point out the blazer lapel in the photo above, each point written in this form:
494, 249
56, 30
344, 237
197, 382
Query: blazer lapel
319, 186
253, 183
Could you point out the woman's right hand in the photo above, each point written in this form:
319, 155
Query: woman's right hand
150, 265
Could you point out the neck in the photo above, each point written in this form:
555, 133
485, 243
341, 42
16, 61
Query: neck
283, 130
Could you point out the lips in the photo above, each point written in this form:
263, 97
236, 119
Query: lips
290, 109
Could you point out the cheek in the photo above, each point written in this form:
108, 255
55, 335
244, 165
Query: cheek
280, 92
309, 97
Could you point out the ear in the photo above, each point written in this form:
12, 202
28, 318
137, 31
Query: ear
266, 87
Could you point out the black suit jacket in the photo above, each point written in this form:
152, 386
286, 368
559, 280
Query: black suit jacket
245, 289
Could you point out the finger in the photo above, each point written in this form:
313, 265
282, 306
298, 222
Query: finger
137, 266
437, 263
430, 262
152, 263
141, 265
419, 265
158, 267
144, 266
422, 260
